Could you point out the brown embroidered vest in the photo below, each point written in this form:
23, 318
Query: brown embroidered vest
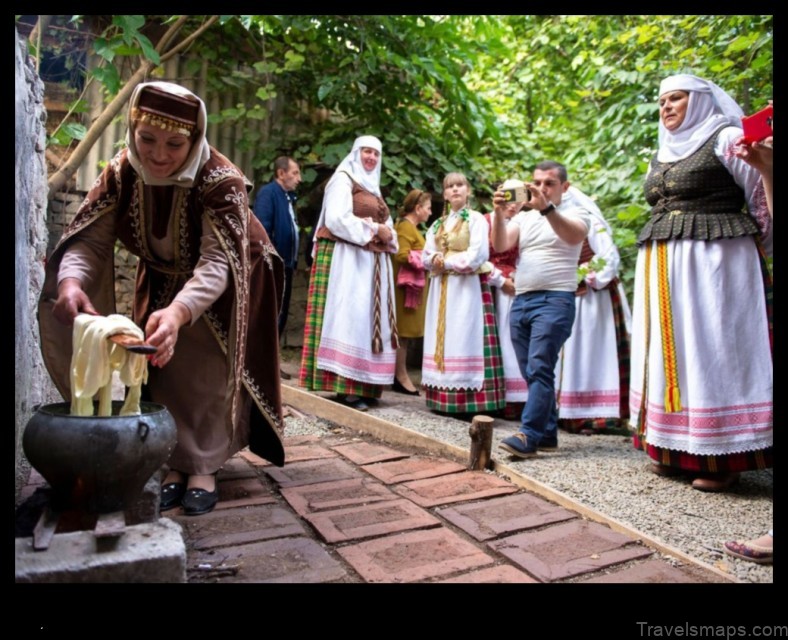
365, 205
695, 198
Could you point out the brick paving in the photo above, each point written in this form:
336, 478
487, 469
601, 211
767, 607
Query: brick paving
354, 510
350, 512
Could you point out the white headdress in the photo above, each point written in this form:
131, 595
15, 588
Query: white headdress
370, 180
708, 108
200, 151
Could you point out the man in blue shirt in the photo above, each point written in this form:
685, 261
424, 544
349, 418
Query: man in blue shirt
273, 206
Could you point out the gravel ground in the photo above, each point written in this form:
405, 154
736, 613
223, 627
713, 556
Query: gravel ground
605, 473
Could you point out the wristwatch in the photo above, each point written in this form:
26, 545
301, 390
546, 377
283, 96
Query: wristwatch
550, 207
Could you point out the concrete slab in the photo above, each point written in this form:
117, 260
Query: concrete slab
253, 459
313, 498
377, 519
149, 552
455, 487
312, 472
236, 467
412, 468
369, 453
501, 574
654, 572
414, 556
227, 527
282, 560
569, 549
243, 492
299, 452
496, 517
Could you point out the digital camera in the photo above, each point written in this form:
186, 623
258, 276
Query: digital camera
518, 194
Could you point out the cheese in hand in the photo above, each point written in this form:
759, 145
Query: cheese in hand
94, 360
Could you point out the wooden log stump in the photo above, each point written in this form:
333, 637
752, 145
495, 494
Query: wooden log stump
481, 432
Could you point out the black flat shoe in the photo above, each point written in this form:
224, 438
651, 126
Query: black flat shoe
397, 386
198, 501
354, 402
171, 495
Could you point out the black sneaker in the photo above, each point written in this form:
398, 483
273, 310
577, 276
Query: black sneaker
549, 444
518, 445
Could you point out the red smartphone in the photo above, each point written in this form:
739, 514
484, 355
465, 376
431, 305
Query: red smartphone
758, 126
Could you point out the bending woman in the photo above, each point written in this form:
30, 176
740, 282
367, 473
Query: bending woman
207, 291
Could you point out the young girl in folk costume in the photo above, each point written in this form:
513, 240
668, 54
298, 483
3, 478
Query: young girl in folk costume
461, 369
350, 336
502, 281
411, 281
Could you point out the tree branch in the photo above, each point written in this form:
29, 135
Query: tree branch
188, 40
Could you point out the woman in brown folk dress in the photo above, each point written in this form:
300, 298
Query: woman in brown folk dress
207, 292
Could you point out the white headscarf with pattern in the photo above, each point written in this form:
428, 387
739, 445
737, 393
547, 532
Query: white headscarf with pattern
199, 153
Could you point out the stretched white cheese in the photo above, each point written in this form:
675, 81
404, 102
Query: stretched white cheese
94, 360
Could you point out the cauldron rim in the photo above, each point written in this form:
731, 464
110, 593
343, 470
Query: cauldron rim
63, 410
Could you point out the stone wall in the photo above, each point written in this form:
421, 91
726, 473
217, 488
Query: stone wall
32, 383
62, 209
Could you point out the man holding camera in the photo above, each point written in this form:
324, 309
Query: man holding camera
549, 236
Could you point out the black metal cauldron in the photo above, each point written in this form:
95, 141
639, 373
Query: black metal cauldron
98, 464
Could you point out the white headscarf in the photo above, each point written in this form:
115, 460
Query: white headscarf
370, 180
574, 197
708, 108
200, 151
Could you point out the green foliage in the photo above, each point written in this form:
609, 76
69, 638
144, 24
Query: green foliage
489, 96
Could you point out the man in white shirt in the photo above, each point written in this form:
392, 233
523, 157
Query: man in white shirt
550, 237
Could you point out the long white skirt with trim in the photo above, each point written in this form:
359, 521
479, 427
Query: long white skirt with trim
463, 348
516, 386
346, 339
588, 384
723, 355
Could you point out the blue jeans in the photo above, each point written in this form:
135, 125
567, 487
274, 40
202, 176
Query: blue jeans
540, 322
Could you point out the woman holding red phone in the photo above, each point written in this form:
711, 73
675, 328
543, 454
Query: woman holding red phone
701, 374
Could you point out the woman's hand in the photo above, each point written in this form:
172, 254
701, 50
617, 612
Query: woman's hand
759, 154
384, 234
162, 329
71, 301
438, 265
508, 287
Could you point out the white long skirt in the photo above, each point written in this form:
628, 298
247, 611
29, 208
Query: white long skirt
588, 383
516, 386
346, 338
724, 359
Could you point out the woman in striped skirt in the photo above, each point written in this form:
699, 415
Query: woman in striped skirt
350, 335
462, 370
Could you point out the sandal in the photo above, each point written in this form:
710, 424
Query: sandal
748, 550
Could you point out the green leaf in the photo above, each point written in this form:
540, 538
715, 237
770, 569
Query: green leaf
102, 48
109, 77
324, 90
75, 130
148, 49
